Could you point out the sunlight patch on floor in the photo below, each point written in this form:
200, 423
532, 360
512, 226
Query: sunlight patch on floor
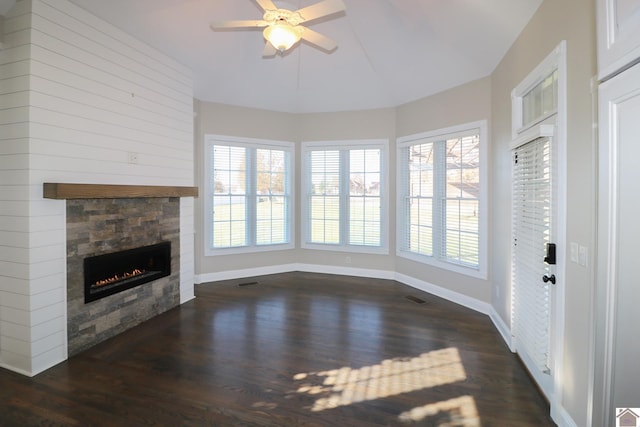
345, 386
458, 412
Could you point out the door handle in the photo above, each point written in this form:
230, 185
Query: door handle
551, 279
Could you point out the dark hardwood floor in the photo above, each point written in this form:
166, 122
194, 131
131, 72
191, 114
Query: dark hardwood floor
295, 349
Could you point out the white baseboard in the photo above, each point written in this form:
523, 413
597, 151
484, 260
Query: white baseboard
245, 272
458, 298
503, 329
16, 370
453, 296
560, 415
346, 271
186, 298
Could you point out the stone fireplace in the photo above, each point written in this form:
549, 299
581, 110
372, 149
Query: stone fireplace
102, 222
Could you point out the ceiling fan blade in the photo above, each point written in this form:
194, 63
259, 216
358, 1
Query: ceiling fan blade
319, 10
269, 50
238, 24
318, 39
267, 5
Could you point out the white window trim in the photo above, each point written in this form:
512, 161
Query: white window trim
383, 145
437, 135
208, 223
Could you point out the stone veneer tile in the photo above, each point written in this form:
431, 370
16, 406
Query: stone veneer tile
99, 226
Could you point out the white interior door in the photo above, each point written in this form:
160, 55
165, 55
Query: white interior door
533, 256
618, 35
617, 382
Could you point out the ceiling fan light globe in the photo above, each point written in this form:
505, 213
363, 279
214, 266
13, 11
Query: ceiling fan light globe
281, 36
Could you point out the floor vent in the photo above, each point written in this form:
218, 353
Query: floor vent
248, 284
415, 299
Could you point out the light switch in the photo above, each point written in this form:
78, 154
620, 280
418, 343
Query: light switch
583, 254
574, 252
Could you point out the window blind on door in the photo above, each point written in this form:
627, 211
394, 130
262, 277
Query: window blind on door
532, 207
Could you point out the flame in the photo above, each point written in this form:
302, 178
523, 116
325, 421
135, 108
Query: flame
116, 277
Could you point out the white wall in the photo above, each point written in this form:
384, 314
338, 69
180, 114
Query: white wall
95, 97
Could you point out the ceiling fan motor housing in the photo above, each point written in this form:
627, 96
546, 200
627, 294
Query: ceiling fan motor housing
278, 15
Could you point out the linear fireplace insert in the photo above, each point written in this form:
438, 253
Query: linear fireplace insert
115, 272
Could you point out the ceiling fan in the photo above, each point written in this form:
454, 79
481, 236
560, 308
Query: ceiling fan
282, 27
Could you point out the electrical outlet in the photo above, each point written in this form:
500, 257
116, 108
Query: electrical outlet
348, 260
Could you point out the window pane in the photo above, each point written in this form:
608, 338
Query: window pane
324, 205
421, 240
271, 197
324, 215
332, 232
249, 213
421, 170
344, 196
469, 215
420, 204
270, 170
420, 226
541, 100
271, 215
372, 233
364, 203
469, 248
441, 189
229, 197
229, 225
325, 172
462, 198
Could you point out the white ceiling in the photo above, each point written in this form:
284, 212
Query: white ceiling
389, 51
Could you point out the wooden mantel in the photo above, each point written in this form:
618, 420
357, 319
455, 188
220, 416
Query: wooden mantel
56, 190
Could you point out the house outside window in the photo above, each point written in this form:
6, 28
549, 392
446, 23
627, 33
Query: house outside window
442, 198
249, 191
345, 196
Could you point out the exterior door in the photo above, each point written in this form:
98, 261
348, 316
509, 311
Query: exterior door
533, 255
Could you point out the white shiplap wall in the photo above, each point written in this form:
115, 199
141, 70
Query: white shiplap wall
15, 322
96, 98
